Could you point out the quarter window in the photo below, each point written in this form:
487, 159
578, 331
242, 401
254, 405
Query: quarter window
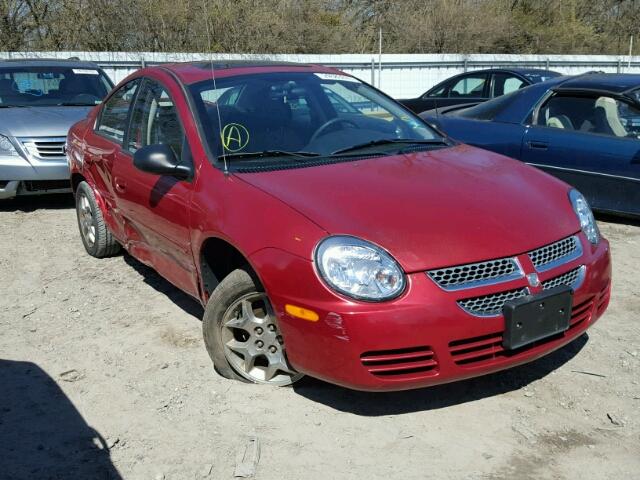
155, 120
113, 121
439, 93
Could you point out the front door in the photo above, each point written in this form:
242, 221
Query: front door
155, 207
589, 141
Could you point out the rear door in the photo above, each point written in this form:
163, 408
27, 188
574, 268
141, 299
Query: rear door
156, 208
104, 146
590, 142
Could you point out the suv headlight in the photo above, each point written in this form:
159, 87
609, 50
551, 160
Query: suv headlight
585, 215
359, 269
6, 147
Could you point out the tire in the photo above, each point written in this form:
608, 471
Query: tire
241, 333
96, 237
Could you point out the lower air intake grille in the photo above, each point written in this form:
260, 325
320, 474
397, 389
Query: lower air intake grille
405, 362
482, 350
491, 304
42, 185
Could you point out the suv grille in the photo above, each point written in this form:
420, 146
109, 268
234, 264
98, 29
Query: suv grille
547, 257
489, 305
45, 147
475, 274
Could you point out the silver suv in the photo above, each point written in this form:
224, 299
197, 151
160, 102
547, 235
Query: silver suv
39, 101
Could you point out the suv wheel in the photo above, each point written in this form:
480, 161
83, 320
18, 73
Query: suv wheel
96, 237
242, 336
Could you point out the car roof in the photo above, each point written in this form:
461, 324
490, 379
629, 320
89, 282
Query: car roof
192, 72
520, 71
607, 82
46, 62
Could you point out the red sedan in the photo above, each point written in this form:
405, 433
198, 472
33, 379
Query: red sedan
328, 231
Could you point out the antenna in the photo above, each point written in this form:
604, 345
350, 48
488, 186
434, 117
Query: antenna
205, 5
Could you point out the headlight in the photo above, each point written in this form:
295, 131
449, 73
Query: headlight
6, 147
359, 269
585, 215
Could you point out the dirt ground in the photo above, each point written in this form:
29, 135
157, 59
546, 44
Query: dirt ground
103, 374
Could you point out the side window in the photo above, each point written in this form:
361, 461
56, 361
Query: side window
599, 115
155, 120
359, 104
469, 86
439, 93
504, 83
113, 120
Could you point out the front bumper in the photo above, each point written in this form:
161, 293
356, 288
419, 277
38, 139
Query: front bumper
19, 176
419, 339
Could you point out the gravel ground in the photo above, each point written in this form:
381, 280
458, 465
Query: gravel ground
103, 374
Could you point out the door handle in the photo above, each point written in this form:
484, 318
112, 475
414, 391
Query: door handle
636, 159
538, 145
120, 185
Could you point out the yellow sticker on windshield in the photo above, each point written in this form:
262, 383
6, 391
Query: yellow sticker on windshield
234, 137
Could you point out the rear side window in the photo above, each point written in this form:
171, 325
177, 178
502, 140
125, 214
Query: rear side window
113, 121
469, 86
155, 120
504, 83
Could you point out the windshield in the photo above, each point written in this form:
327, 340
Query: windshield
51, 86
311, 114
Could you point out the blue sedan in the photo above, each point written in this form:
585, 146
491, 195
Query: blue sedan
584, 130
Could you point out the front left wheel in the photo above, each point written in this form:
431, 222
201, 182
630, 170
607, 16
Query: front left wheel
242, 336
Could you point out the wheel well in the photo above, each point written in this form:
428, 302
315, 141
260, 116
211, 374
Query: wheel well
218, 259
76, 178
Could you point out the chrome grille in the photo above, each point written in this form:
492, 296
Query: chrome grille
45, 147
550, 256
476, 274
490, 305
572, 278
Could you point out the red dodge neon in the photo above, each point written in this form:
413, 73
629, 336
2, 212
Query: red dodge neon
329, 231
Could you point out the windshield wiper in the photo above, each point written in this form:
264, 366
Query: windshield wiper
271, 153
390, 141
73, 104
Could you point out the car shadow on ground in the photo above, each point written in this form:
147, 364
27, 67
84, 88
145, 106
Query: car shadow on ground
42, 435
187, 303
56, 201
440, 396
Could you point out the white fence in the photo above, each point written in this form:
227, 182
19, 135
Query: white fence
402, 76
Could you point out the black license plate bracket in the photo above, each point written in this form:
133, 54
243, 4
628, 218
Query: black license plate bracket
534, 317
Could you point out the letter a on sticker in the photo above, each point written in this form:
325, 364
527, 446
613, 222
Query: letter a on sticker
234, 137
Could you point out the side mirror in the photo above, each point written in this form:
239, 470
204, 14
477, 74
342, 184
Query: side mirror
159, 159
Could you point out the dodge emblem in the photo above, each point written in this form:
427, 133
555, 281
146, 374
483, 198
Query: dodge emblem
533, 279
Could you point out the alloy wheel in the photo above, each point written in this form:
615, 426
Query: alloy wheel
253, 345
85, 217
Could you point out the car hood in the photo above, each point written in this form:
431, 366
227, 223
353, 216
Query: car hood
431, 209
40, 121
